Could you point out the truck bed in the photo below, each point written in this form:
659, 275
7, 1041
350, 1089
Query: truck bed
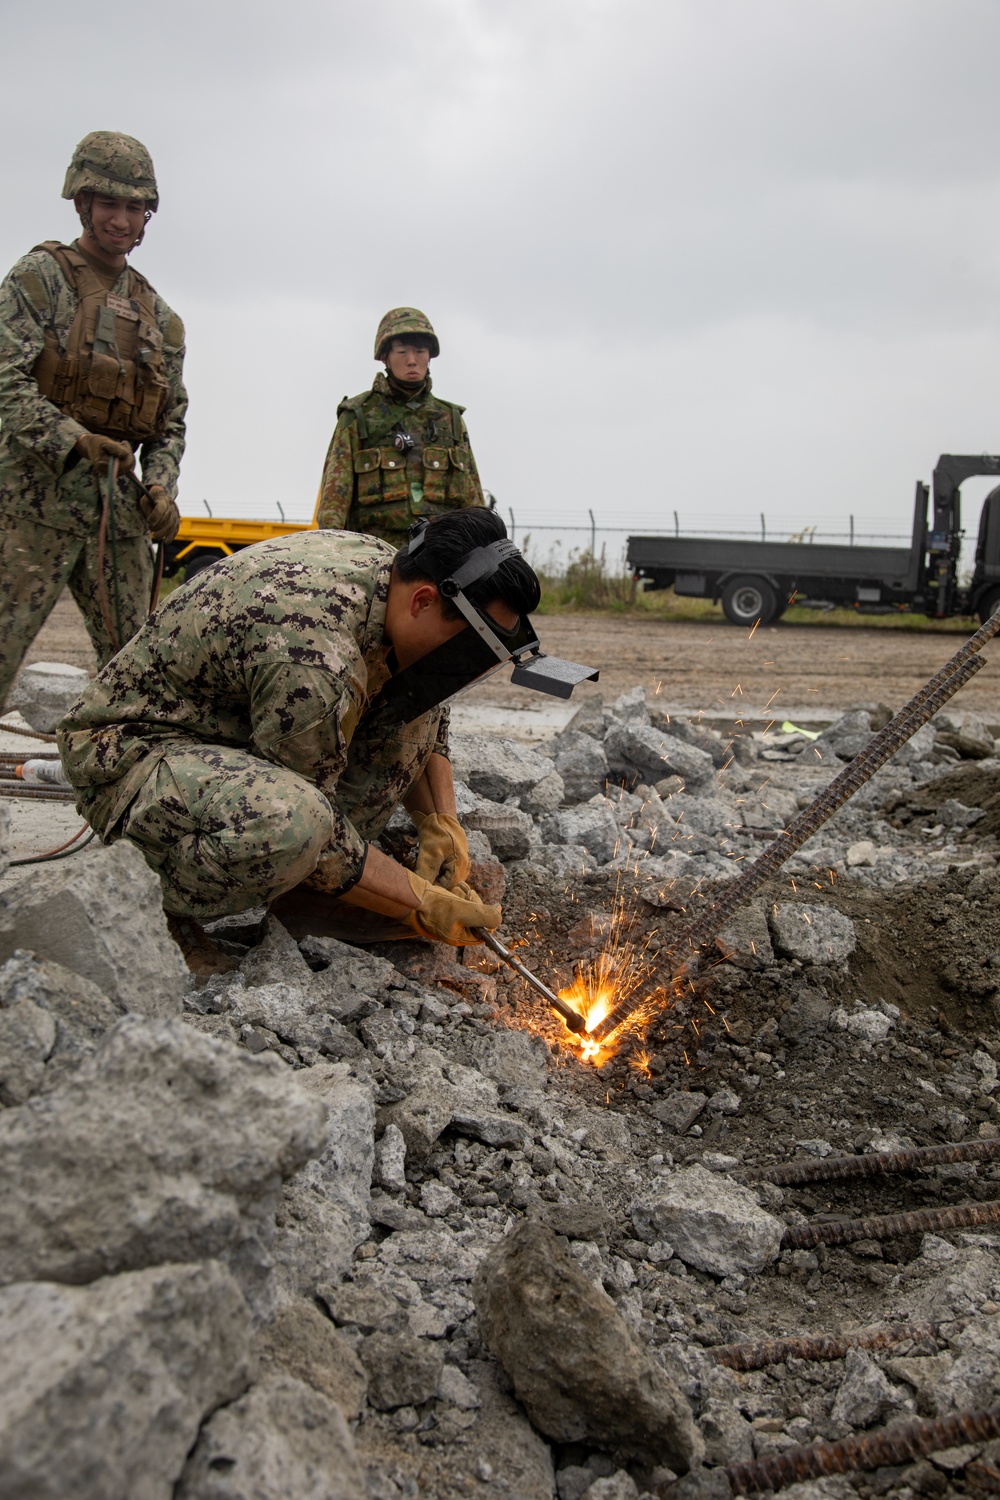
784, 560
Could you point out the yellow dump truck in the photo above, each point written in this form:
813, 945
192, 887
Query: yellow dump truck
201, 541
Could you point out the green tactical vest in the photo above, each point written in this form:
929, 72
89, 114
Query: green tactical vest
393, 484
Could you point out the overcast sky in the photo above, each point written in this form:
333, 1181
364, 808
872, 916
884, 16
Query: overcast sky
708, 256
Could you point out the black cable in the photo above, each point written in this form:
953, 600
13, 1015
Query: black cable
43, 859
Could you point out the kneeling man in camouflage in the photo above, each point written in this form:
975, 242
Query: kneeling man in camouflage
258, 732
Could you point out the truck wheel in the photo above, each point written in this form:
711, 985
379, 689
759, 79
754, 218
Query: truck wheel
988, 605
747, 600
199, 562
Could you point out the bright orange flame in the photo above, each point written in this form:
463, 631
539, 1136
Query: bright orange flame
625, 966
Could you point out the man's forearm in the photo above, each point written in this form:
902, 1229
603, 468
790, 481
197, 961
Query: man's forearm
434, 790
383, 887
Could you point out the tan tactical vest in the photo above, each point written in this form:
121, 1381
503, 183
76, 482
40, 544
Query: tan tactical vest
110, 374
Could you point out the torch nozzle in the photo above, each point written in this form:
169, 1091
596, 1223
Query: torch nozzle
572, 1018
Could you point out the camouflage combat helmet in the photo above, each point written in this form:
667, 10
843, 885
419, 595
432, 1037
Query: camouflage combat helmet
120, 166
405, 320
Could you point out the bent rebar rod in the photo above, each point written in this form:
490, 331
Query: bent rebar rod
921, 707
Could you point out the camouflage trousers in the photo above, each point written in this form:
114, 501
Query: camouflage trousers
37, 561
226, 830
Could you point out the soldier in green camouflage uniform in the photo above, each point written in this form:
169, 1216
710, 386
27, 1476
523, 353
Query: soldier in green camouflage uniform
54, 452
398, 452
233, 740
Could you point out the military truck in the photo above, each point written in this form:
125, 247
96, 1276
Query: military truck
757, 581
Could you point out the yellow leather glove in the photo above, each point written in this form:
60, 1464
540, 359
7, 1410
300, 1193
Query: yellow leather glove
97, 450
448, 916
162, 516
443, 858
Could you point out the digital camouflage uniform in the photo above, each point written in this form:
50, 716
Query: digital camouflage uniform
370, 484
231, 739
50, 503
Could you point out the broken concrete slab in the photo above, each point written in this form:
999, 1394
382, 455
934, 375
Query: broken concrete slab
655, 754
80, 1015
101, 915
165, 1145
390, 1160
427, 1109
679, 1110
45, 691
592, 824
711, 1222
509, 830
347, 1160
544, 795
303, 1343
295, 1013
497, 769
402, 1370
573, 1362
514, 1058
583, 765
745, 940
281, 1440
815, 934
103, 1388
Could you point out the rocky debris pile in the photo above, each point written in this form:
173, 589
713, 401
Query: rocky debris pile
45, 692
359, 1223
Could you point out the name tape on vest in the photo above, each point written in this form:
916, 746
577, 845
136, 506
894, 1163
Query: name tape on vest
122, 307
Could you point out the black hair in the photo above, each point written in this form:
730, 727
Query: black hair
448, 540
412, 340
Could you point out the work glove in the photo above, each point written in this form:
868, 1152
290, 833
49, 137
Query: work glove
97, 449
449, 916
162, 516
443, 856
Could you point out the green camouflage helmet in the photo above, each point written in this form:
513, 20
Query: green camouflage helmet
120, 166
405, 320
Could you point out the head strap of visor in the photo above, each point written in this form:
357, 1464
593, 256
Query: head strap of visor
481, 563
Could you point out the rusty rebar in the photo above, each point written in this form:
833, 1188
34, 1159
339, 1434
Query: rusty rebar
37, 793
893, 1445
890, 1226
18, 757
28, 733
819, 1346
921, 707
880, 1163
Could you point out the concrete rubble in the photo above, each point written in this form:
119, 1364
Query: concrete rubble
347, 1222
45, 691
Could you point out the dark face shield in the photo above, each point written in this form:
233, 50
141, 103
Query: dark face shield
484, 648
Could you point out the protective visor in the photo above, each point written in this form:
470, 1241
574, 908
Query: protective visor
478, 652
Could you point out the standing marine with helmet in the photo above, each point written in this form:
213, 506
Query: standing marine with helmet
398, 453
90, 371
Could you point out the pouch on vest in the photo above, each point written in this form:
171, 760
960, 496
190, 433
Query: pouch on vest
381, 476
110, 373
445, 476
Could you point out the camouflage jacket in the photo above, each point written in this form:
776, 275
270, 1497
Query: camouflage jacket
277, 650
373, 484
40, 477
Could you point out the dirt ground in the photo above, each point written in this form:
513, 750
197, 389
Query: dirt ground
783, 671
